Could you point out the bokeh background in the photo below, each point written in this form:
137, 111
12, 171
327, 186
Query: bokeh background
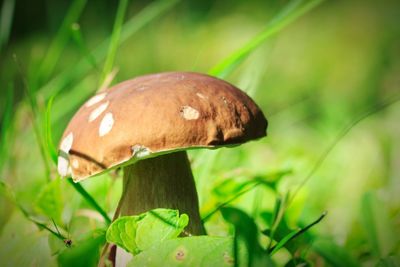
328, 83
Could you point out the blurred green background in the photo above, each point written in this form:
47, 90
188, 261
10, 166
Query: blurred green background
328, 83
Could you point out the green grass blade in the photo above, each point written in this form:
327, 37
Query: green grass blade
291, 12
78, 39
57, 45
6, 17
248, 187
48, 133
30, 95
283, 242
116, 33
6, 125
81, 69
293, 235
78, 187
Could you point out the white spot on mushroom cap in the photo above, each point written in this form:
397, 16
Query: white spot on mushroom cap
63, 162
66, 143
97, 112
106, 124
225, 100
63, 166
189, 113
95, 99
75, 164
142, 88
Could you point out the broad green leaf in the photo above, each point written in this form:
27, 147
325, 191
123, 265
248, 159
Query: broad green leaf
138, 233
122, 232
49, 200
159, 225
85, 253
188, 251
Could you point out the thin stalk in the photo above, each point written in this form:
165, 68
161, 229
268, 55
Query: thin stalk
346, 129
291, 12
115, 38
90, 200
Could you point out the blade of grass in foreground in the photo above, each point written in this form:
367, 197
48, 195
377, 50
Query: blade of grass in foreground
116, 33
82, 68
51, 150
292, 11
6, 125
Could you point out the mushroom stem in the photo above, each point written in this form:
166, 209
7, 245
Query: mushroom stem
165, 181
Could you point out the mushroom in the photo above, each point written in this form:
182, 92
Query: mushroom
145, 125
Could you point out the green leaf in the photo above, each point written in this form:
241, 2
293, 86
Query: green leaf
85, 253
188, 251
49, 200
122, 232
159, 225
138, 233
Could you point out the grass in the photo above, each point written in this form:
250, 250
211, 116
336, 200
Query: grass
228, 191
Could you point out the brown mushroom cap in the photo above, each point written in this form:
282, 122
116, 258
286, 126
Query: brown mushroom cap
156, 114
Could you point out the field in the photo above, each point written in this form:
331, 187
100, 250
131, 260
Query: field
322, 189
